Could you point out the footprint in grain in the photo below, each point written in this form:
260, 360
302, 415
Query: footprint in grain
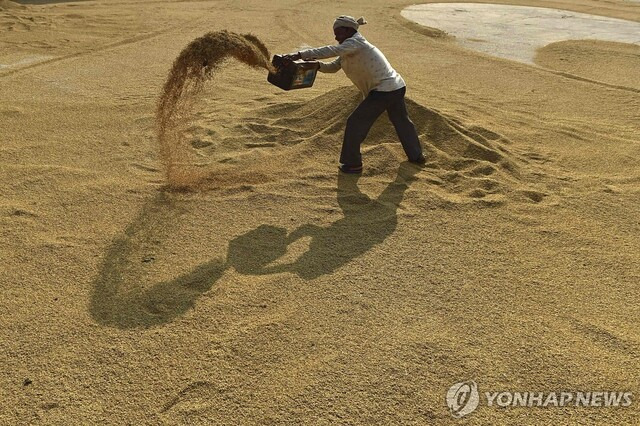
197, 397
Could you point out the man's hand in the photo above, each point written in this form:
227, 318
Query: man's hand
292, 56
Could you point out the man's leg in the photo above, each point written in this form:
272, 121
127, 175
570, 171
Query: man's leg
405, 129
358, 125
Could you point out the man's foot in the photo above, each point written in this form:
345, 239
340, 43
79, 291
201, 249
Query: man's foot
420, 160
344, 168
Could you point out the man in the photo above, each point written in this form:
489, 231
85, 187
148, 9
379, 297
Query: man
382, 87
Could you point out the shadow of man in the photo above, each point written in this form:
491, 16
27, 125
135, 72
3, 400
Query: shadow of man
123, 298
366, 223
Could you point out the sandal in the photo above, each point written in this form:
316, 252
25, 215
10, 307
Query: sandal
344, 168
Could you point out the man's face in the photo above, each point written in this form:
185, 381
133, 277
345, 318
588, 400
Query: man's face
342, 33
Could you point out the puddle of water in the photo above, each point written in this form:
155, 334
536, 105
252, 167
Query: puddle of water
516, 32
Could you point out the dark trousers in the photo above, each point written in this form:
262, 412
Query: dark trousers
360, 121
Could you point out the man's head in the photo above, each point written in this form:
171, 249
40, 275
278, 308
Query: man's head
346, 26
343, 33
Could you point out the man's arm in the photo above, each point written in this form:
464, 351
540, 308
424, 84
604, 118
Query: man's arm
333, 66
349, 45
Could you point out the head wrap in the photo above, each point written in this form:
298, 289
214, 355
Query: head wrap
349, 22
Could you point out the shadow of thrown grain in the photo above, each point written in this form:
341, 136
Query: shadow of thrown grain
122, 297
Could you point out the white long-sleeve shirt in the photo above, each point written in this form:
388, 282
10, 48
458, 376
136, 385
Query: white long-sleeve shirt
362, 62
